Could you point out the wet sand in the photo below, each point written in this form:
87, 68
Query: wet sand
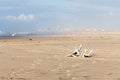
44, 58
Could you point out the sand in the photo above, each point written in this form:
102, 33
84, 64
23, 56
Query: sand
44, 58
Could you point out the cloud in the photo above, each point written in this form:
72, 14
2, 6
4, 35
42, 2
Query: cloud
0, 32
21, 17
56, 29
111, 14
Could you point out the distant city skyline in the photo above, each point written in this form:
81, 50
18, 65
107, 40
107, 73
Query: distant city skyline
59, 15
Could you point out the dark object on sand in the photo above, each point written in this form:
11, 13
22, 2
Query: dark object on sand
30, 39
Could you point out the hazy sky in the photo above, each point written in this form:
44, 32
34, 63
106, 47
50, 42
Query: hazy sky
55, 15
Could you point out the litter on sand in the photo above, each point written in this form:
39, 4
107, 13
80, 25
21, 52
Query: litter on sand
80, 52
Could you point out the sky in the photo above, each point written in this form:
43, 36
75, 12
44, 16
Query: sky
58, 15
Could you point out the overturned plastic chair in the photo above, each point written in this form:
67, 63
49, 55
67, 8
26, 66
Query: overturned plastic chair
76, 53
85, 54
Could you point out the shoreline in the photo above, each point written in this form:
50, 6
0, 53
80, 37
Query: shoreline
66, 34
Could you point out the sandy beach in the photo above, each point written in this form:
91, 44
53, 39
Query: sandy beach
44, 58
